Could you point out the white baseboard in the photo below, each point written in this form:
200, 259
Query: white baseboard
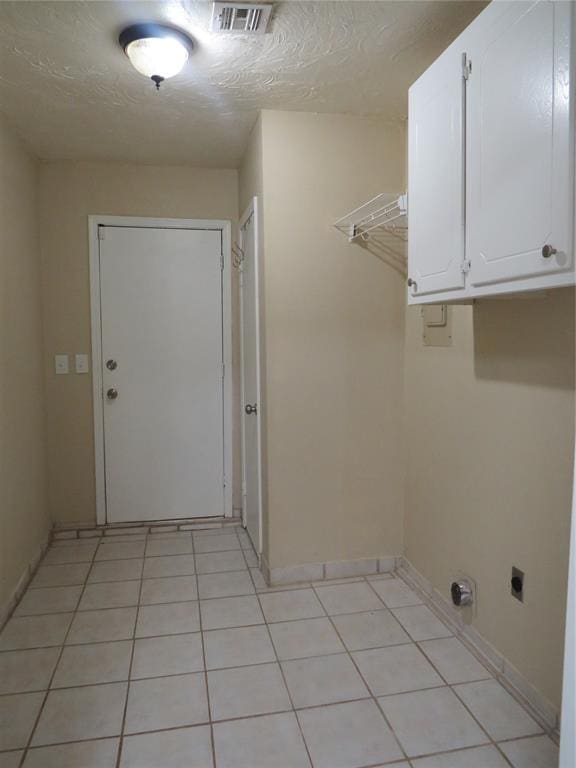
336, 569
542, 709
16, 595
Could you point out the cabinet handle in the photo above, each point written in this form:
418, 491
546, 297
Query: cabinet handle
548, 250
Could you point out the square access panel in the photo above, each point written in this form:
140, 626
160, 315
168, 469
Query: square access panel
437, 325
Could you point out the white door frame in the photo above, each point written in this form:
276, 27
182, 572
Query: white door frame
567, 727
252, 210
220, 225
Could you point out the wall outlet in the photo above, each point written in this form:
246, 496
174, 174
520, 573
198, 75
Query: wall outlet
517, 584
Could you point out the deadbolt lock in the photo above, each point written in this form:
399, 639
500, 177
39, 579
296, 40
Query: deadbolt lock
111, 365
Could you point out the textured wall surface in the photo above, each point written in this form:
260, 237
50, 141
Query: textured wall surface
24, 519
69, 193
489, 436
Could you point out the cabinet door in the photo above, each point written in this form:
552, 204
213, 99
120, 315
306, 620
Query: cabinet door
519, 162
436, 177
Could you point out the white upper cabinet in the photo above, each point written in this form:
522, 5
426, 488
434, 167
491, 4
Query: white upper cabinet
436, 178
517, 160
518, 180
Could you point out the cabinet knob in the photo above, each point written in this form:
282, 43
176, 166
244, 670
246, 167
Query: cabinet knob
410, 282
548, 250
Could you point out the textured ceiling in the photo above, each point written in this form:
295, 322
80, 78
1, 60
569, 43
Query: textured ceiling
66, 86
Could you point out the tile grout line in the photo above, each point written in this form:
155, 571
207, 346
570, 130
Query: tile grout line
111, 531
371, 695
47, 693
208, 704
286, 711
237, 666
125, 712
291, 700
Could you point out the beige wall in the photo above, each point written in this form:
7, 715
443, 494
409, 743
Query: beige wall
489, 433
251, 172
69, 193
334, 329
23, 509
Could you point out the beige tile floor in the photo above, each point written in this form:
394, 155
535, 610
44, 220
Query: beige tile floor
168, 651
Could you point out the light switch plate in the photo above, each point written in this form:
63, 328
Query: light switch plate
81, 363
61, 364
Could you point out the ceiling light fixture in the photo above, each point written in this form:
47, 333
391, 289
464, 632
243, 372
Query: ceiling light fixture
156, 50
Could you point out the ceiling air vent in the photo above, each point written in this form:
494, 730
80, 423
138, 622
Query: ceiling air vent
234, 17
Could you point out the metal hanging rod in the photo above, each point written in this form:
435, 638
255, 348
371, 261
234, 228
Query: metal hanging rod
379, 213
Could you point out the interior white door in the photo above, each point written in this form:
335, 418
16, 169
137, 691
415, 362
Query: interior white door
519, 177
436, 177
162, 372
252, 480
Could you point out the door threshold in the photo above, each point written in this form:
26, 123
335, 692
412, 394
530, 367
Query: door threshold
76, 531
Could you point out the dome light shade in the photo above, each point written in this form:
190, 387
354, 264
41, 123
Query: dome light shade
155, 50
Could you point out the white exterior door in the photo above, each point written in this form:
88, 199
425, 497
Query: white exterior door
252, 491
519, 183
162, 372
436, 177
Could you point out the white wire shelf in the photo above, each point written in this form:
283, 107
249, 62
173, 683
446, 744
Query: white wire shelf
379, 213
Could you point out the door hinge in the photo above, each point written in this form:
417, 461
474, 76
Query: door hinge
465, 266
222, 262
223, 370
101, 232
466, 67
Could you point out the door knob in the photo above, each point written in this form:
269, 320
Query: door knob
548, 250
112, 394
111, 365
249, 409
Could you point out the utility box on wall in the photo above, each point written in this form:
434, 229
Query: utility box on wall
437, 325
